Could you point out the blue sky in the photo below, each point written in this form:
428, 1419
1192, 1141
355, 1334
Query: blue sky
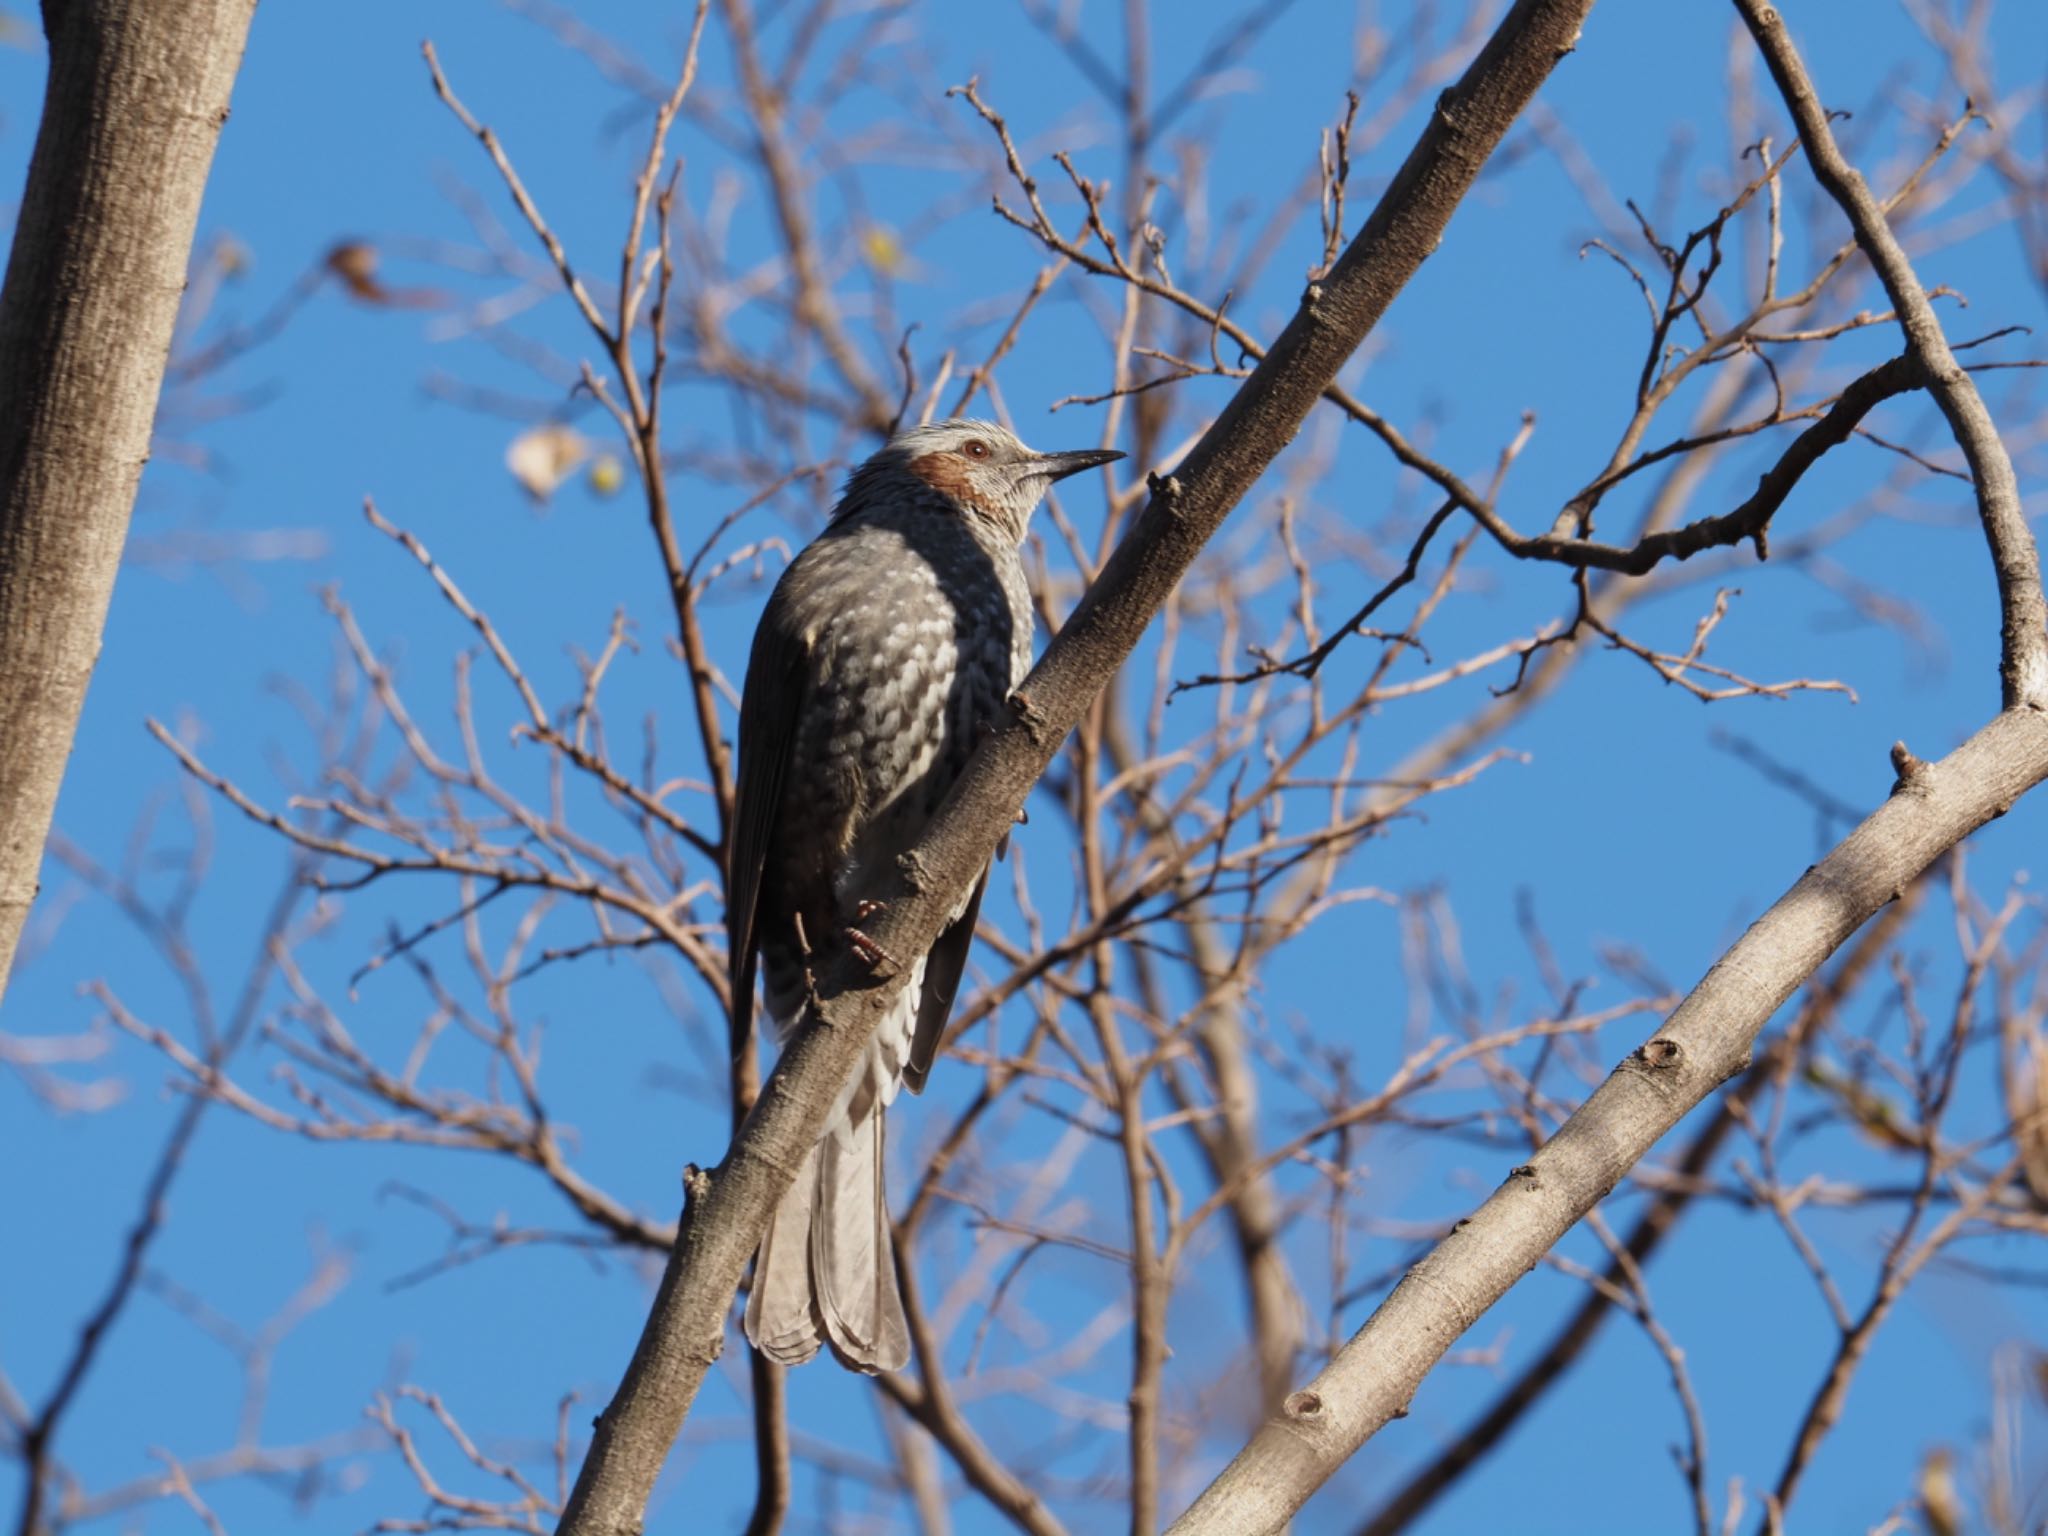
1625, 820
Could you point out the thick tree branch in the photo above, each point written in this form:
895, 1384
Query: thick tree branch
1706, 1041
728, 1210
137, 93
1568, 1345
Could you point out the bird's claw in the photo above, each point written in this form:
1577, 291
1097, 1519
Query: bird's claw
871, 954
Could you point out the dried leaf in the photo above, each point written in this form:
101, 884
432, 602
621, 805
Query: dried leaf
354, 262
540, 460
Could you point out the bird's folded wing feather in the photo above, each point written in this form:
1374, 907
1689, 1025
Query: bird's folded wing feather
770, 706
942, 973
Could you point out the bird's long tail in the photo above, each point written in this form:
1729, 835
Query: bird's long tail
826, 1269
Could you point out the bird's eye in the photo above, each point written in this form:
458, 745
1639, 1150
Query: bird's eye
974, 448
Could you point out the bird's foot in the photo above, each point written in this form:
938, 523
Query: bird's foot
871, 954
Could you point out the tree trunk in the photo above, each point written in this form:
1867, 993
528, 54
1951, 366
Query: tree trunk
137, 93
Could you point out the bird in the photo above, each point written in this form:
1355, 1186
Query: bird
887, 648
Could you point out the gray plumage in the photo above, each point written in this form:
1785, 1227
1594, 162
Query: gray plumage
889, 642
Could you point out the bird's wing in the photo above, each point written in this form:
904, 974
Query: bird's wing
769, 709
942, 972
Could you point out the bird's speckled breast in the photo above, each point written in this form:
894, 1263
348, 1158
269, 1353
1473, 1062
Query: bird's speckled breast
919, 625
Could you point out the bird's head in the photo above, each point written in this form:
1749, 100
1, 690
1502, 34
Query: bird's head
978, 466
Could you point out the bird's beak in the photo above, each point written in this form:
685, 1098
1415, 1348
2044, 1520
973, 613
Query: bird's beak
1057, 466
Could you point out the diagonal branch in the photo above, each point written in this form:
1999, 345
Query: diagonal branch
1706, 1041
728, 1209
1658, 1221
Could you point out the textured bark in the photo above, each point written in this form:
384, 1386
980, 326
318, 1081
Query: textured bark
1705, 1041
728, 1209
138, 91
1659, 1220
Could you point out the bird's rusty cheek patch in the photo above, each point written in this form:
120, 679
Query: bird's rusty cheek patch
948, 474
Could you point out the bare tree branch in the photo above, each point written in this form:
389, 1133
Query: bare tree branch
728, 1209
2023, 624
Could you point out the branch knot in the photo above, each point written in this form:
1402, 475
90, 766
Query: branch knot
1913, 774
